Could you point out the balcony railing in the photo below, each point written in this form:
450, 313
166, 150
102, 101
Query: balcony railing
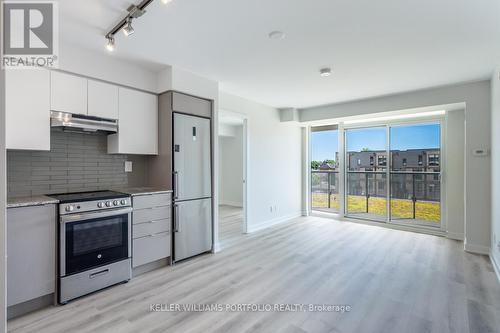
413, 195
325, 190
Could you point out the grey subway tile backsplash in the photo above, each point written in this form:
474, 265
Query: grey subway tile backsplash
76, 162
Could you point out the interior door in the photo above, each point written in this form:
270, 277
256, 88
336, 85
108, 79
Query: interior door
192, 157
192, 227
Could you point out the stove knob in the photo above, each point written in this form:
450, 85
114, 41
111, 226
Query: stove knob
69, 208
116, 203
100, 205
123, 202
108, 203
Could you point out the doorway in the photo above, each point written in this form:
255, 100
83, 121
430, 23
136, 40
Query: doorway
232, 178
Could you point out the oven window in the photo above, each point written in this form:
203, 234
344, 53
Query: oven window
96, 236
96, 242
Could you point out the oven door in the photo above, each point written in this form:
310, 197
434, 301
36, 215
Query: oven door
90, 240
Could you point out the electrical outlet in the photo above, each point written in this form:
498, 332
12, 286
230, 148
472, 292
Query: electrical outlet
128, 166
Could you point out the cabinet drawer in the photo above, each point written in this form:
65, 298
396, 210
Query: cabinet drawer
152, 200
150, 214
149, 249
150, 228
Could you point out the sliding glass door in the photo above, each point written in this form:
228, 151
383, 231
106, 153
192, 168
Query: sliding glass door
366, 173
393, 173
416, 174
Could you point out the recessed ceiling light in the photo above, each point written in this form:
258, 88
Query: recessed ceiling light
276, 34
166, 1
325, 71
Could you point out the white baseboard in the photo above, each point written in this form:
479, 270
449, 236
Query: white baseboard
272, 222
231, 203
496, 266
216, 248
455, 236
479, 249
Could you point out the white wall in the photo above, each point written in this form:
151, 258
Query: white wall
107, 67
477, 97
3, 197
231, 168
495, 163
226, 130
274, 167
455, 174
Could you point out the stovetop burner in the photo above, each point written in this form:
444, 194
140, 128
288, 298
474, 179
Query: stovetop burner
87, 196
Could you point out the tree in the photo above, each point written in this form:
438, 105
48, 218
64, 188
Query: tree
365, 149
315, 165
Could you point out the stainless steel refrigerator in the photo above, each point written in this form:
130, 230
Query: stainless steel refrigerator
192, 183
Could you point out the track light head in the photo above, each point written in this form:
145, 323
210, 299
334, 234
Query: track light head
110, 45
128, 29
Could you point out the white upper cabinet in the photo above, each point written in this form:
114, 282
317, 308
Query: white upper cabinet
68, 93
27, 101
102, 100
137, 124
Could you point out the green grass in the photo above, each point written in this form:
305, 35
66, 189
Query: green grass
400, 208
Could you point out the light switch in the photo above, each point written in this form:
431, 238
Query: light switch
128, 166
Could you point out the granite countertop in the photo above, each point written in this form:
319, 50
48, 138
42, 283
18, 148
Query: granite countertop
145, 190
36, 200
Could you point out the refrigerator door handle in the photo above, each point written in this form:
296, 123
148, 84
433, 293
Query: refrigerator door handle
176, 185
176, 218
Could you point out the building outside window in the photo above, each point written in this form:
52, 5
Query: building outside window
433, 159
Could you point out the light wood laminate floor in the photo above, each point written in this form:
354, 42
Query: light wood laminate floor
395, 281
230, 226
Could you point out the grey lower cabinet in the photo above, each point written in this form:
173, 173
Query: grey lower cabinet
31, 253
151, 228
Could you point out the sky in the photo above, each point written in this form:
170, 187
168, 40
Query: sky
324, 144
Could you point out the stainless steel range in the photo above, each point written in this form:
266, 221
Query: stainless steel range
94, 242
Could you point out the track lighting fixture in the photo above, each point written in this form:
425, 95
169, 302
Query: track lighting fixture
110, 45
133, 12
128, 29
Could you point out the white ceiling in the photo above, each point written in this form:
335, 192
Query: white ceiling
374, 47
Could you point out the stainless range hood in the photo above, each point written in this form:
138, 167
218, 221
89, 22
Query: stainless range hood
81, 123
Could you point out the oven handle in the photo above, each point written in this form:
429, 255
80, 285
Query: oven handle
87, 216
